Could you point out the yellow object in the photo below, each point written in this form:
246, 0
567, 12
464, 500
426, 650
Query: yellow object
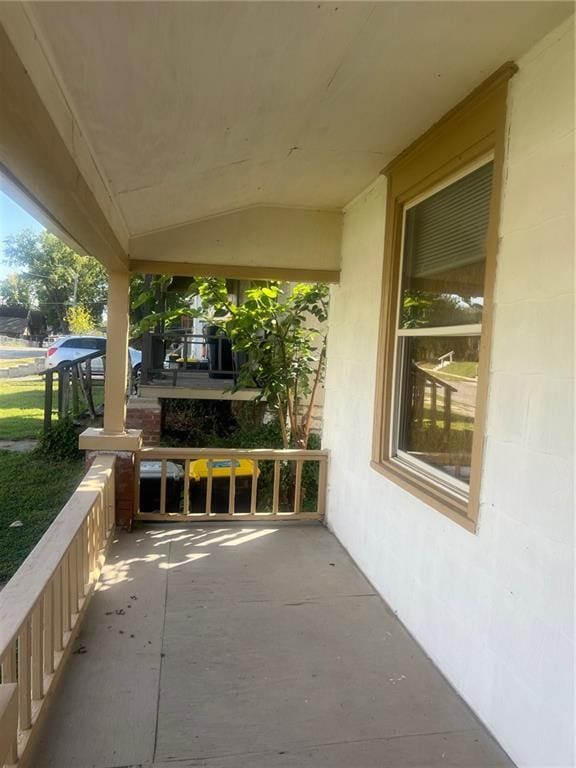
221, 468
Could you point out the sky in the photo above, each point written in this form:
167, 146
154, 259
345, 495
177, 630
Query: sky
13, 219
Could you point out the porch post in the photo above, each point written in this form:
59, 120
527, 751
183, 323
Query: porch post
114, 437
116, 353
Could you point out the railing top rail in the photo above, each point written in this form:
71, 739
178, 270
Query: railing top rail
25, 588
262, 454
189, 334
434, 379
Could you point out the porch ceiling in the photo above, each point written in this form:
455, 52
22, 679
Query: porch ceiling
193, 109
176, 113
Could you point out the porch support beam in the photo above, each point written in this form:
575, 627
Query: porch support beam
116, 353
234, 271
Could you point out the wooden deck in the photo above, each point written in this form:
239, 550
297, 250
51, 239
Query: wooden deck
247, 646
194, 384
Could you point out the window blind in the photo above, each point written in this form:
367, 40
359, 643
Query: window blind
448, 229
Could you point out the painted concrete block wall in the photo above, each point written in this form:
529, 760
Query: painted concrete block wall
495, 609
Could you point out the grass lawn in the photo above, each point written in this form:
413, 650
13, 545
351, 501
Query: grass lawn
15, 362
21, 407
32, 490
460, 368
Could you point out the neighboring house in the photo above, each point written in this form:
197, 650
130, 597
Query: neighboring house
19, 322
13, 327
453, 494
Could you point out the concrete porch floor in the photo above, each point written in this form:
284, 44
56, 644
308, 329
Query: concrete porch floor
250, 646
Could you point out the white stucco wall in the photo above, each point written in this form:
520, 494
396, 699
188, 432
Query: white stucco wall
495, 609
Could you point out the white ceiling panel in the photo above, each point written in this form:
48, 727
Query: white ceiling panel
196, 108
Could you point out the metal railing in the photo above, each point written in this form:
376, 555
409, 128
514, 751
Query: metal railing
42, 605
176, 351
187, 484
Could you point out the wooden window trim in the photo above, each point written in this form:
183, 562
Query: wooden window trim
474, 128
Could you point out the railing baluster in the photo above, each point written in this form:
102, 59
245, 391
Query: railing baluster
276, 488
9, 675
92, 542
447, 410
85, 545
136, 474
112, 500
232, 489
49, 629
24, 692
105, 526
57, 600
79, 564
111, 485
186, 502
73, 577
254, 487
298, 488
322, 483
89, 551
65, 570
209, 487
163, 488
8, 724
99, 525
38, 651
109, 510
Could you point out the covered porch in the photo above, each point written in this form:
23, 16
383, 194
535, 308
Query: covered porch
250, 645
247, 141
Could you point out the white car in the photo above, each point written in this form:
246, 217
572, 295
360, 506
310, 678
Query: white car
70, 348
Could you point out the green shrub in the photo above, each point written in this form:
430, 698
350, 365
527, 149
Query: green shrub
60, 443
196, 423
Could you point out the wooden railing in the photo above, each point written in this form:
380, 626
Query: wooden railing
421, 379
42, 605
289, 484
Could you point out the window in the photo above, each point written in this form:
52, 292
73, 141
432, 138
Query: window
439, 327
441, 237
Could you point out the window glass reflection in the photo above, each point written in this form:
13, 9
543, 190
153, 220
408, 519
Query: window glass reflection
438, 381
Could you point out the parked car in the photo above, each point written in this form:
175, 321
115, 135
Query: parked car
70, 348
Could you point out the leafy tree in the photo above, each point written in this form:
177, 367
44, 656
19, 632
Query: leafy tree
425, 308
79, 320
285, 351
15, 291
53, 277
281, 336
154, 304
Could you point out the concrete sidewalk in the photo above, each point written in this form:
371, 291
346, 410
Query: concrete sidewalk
250, 647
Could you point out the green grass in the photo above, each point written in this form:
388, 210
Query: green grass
21, 407
463, 368
15, 362
32, 490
